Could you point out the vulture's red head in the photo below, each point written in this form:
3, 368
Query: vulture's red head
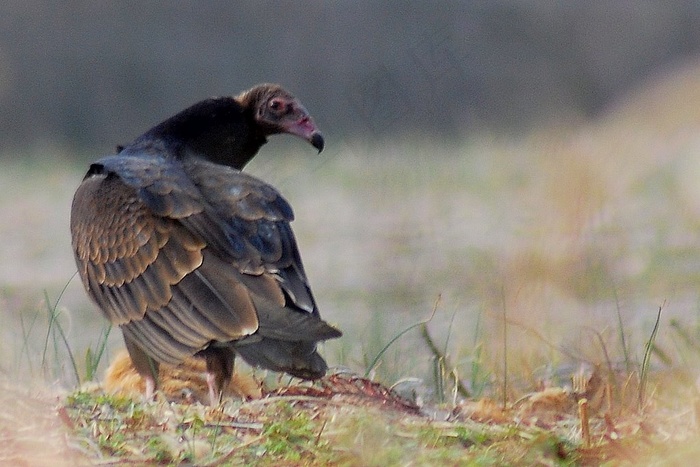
277, 111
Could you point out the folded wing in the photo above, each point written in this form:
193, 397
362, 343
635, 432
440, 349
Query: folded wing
184, 255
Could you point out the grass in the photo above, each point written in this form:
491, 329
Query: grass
344, 427
298, 432
373, 363
645, 367
550, 253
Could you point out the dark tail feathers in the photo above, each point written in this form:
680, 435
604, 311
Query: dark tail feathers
299, 359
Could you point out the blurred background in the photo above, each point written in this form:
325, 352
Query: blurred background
531, 162
86, 74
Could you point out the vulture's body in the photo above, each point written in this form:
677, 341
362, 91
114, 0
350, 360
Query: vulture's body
190, 256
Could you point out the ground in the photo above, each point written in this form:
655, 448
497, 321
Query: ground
345, 419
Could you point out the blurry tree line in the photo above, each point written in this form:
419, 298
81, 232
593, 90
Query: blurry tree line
93, 74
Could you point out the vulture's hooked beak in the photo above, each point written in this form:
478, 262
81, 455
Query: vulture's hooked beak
305, 127
317, 141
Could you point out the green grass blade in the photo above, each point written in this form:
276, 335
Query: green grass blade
621, 333
505, 348
684, 335
376, 359
644, 374
55, 324
26, 332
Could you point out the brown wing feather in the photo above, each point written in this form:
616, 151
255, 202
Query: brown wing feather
180, 257
255, 220
152, 276
258, 218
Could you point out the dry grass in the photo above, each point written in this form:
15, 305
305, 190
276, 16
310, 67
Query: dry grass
348, 420
573, 237
342, 420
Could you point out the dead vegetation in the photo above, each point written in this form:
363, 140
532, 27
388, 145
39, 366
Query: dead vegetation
345, 419
349, 420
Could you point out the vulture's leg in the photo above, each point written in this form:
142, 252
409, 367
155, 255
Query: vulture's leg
145, 366
219, 371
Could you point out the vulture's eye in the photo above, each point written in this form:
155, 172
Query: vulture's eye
276, 104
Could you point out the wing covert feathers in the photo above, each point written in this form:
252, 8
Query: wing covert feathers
183, 256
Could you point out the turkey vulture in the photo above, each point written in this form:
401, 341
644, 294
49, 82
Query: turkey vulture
190, 256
